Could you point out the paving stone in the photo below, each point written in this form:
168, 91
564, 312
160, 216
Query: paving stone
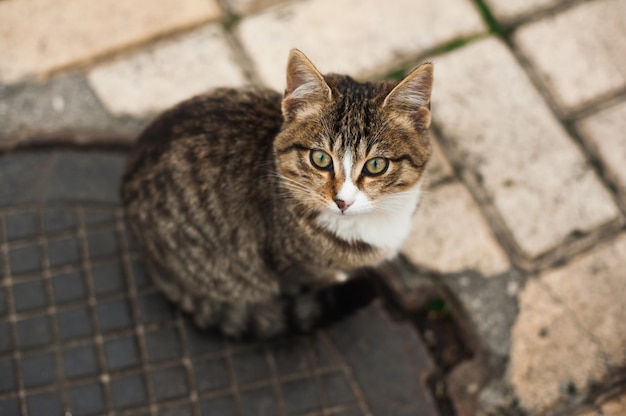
361, 38
59, 34
577, 308
515, 150
507, 10
450, 234
613, 407
63, 107
490, 304
240, 7
587, 64
160, 76
605, 131
438, 168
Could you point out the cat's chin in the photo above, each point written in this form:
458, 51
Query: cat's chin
349, 213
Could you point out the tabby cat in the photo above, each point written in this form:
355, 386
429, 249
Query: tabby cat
251, 208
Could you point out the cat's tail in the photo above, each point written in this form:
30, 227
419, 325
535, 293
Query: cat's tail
288, 315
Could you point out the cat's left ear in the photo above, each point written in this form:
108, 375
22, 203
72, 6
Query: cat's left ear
306, 89
412, 96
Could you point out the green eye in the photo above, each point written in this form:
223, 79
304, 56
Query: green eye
376, 166
321, 159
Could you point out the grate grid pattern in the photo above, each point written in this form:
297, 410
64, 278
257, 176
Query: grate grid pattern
83, 331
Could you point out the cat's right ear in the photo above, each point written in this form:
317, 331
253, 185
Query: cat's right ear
306, 90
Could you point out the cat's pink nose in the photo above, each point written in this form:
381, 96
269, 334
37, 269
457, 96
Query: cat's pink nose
343, 205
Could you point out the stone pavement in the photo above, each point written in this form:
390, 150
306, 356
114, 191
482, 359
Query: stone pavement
520, 239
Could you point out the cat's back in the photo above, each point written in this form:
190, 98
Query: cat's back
206, 162
227, 122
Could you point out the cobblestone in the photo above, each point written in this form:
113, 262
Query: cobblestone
521, 234
160, 76
578, 308
438, 168
450, 235
63, 32
606, 131
65, 106
587, 64
508, 10
370, 38
613, 407
514, 149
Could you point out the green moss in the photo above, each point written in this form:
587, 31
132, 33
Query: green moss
455, 44
231, 21
438, 305
488, 17
397, 74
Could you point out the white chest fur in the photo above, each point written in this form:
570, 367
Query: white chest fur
386, 225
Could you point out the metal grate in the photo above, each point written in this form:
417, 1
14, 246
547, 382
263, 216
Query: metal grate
83, 331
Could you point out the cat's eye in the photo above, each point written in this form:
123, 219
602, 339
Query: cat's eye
376, 166
321, 159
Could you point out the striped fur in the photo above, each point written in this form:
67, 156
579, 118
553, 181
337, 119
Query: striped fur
234, 220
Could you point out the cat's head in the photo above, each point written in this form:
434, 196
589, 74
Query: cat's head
350, 148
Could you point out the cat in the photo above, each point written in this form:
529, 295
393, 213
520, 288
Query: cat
252, 208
